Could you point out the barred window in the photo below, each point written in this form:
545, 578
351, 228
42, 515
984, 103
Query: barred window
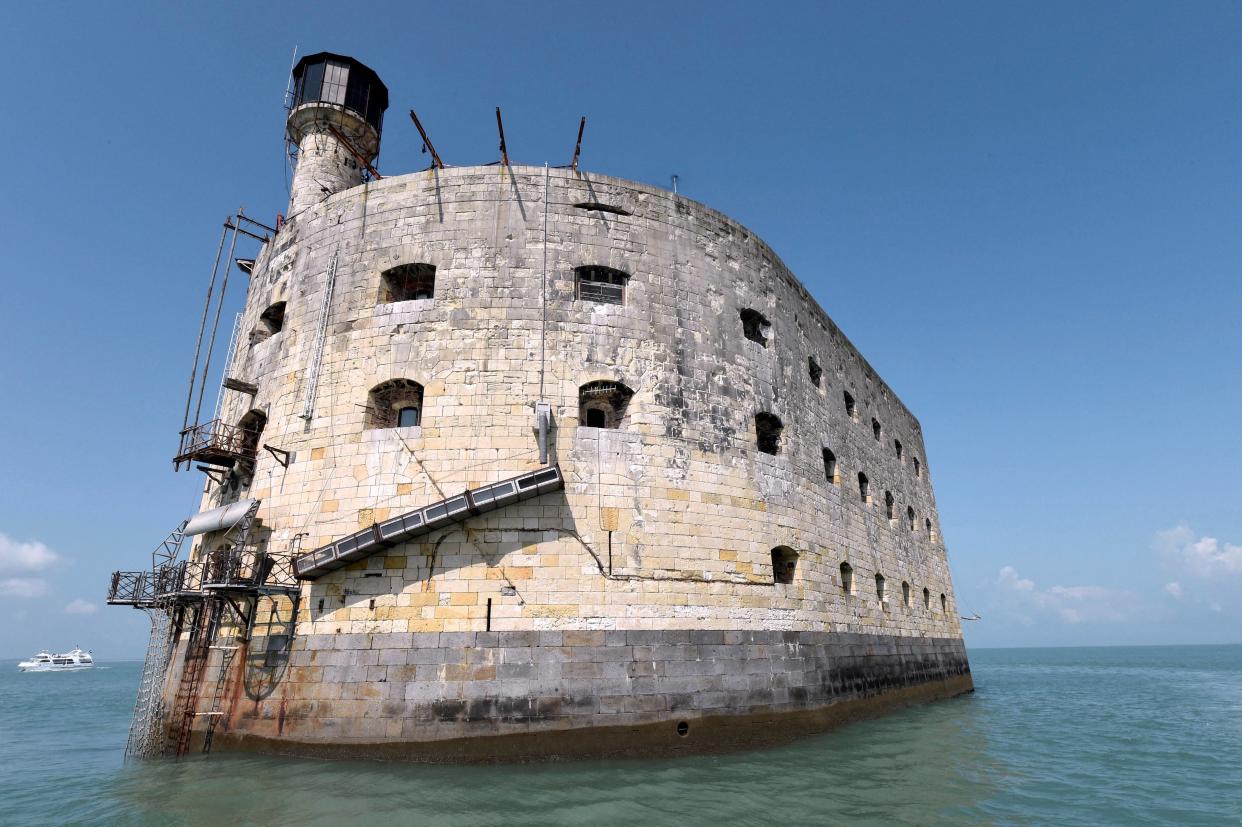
396, 403
601, 285
408, 281
603, 404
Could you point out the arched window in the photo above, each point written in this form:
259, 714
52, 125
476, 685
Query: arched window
830, 467
251, 426
754, 326
926, 598
889, 509
603, 404
910, 516
851, 410
944, 603
271, 322
814, 371
898, 449
931, 535
407, 282
905, 594
391, 403
864, 488
768, 429
847, 578
879, 586
601, 285
918, 468
876, 430
784, 564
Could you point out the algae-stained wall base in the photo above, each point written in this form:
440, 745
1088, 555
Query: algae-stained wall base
747, 530
544, 695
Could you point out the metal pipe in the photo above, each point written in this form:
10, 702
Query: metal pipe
504, 153
202, 324
215, 326
435, 159
350, 148
578, 146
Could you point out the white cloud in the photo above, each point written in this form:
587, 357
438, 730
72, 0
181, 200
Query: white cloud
22, 587
1070, 604
1175, 589
25, 558
1204, 557
80, 607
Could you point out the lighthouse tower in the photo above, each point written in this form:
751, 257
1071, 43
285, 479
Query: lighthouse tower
335, 119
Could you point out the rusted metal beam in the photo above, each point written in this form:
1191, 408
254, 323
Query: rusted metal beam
504, 152
354, 152
578, 146
435, 158
262, 238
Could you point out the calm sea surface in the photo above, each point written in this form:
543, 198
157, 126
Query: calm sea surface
1145, 735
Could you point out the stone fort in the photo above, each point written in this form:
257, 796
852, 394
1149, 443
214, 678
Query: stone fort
518, 462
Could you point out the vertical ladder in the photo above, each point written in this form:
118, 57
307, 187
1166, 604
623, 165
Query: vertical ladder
191, 677
218, 694
146, 730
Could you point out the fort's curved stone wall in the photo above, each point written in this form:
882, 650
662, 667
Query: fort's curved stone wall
666, 526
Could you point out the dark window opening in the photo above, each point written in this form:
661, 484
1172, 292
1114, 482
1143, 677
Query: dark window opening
768, 429
944, 604
918, 468
830, 467
602, 285
755, 327
814, 371
897, 447
271, 322
905, 594
879, 586
926, 598
910, 516
876, 430
847, 578
889, 510
927, 524
598, 207
864, 488
252, 425
406, 282
784, 564
391, 403
851, 410
603, 404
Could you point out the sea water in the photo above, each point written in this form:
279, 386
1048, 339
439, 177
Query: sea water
1136, 735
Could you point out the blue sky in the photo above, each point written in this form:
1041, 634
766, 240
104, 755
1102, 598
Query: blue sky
1026, 215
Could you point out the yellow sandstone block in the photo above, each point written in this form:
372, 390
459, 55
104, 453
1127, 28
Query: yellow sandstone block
328, 506
405, 488
394, 562
318, 453
519, 572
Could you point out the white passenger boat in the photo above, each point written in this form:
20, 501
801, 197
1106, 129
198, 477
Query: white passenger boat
47, 662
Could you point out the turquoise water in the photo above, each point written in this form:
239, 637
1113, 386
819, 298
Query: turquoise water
1144, 735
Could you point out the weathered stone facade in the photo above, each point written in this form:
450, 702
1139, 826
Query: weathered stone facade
746, 545
644, 593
